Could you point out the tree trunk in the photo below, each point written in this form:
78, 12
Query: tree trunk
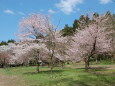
62, 65
86, 64
100, 59
48, 64
51, 67
112, 58
96, 60
38, 69
4, 64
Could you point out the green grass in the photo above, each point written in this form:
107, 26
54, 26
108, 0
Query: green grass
68, 76
105, 62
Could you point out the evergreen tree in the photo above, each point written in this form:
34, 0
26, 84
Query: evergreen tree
113, 17
87, 20
95, 15
75, 25
67, 31
82, 18
3, 43
11, 41
108, 13
40, 36
82, 21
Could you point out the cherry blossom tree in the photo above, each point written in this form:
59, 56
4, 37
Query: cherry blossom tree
94, 39
61, 47
4, 59
39, 25
6, 53
26, 51
34, 26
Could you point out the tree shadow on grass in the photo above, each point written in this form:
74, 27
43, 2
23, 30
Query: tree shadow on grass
102, 73
98, 79
92, 77
41, 72
95, 68
69, 82
86, 80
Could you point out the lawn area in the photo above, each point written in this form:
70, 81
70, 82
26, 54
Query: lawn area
99, 75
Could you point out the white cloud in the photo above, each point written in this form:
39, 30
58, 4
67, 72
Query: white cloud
9, 12
21, 13
68, 6
51, 11
105, 1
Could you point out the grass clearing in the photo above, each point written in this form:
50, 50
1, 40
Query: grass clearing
69, 76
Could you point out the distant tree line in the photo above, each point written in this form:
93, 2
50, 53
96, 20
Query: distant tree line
81, 23
6, 42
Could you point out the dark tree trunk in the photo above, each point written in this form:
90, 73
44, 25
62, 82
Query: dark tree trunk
100, 59
96, 61
38, 61
62, 64
4, 64
38, 67
51, 66
86, 60
52, 62
48, 64
112, 58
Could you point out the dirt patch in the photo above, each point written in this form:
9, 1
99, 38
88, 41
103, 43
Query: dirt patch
11, 81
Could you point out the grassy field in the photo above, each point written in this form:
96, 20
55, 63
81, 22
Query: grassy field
71, 75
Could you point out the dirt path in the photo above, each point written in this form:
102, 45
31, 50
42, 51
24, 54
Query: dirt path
11, 81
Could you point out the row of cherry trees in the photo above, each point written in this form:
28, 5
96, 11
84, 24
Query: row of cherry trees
96, 37
40, 41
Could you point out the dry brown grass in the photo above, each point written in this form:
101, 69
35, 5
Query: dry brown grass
11, 81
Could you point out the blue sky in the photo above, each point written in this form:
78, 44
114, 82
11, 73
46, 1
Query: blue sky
12, 11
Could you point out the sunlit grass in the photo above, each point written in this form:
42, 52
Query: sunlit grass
62, 77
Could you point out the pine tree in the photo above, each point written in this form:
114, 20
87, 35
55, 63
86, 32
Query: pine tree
11, 41
75, 25
3, 43
67, 31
